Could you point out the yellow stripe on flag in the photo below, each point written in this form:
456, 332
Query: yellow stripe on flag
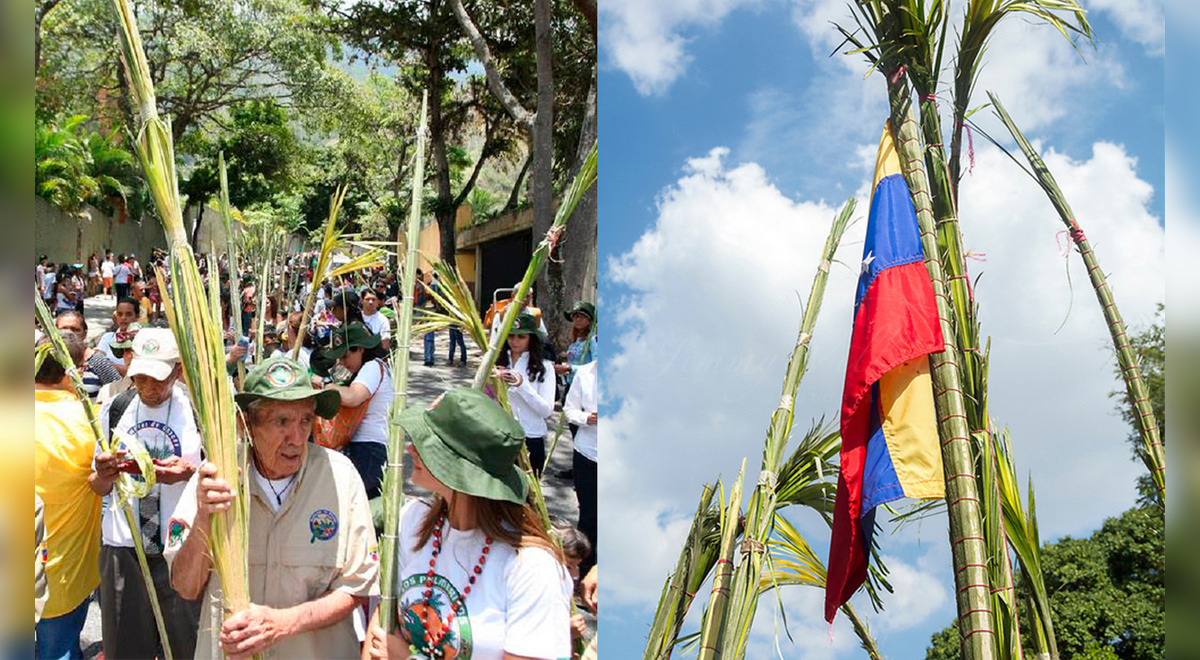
910, 428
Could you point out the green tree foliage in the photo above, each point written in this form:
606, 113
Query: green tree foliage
1108, 590
75, 166
1150, 347
260, 153
206, 56
944, 645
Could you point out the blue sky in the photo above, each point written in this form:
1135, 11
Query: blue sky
730, 140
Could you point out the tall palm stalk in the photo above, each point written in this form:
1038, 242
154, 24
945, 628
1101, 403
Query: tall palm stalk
583, 181
393, 477
1151, 451
760, 514
195, 321
712, 629
695, 560
968, 547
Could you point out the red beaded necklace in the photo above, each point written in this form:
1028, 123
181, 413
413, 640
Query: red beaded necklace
434, 645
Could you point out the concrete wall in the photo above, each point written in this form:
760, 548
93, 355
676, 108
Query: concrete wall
64, 238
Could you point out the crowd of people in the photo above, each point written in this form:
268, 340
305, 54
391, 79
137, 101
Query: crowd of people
478, 574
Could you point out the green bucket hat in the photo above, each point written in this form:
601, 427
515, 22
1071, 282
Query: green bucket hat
585, 308
348, 336
525, 324
470, 444
283, 379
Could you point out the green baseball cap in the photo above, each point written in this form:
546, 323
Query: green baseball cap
348, 336
525, 324
585, 308
283, 379
470, 444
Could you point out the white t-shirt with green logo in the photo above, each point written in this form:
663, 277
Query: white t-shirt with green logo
520, 602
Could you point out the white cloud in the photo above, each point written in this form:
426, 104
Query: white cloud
1139, 20
708, 315
917, 592
1027, 64
646, 41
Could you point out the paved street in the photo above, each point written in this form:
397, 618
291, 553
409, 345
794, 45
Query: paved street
425, 384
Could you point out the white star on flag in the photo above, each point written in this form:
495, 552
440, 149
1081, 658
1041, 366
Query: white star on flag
866, 264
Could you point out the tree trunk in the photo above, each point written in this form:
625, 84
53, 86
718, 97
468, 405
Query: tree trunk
444, 210
514, 196
549, 287
575, 278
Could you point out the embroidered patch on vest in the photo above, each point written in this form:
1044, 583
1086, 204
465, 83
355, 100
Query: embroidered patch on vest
323, 524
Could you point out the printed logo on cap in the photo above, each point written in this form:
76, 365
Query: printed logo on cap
150, 347
281, 375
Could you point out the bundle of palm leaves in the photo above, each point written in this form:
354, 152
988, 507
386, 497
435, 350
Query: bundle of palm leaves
194, 315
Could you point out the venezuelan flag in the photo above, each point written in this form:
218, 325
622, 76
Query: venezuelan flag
889, 430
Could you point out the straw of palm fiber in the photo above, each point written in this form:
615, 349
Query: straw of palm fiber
712, 628
126, 488
999, 562
583, 181
393, 492
231, 258
195, 322
760, 514
1151, 452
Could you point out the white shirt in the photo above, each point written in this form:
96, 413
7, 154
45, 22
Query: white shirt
49, 279
121, 274
106, 268
166, 430
103, 346
582, 400
532, 402
379, 324
520, 602
378, 380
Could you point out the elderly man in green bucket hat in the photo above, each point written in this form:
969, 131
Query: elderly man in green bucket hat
312, 551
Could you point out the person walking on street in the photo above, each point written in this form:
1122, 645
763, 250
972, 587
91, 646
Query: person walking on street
107, 271
530, 380
63, 447
476, 572
158, 416
122, 277
313, 555
581, 410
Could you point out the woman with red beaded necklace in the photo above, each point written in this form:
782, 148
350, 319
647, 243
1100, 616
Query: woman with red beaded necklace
477, 575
